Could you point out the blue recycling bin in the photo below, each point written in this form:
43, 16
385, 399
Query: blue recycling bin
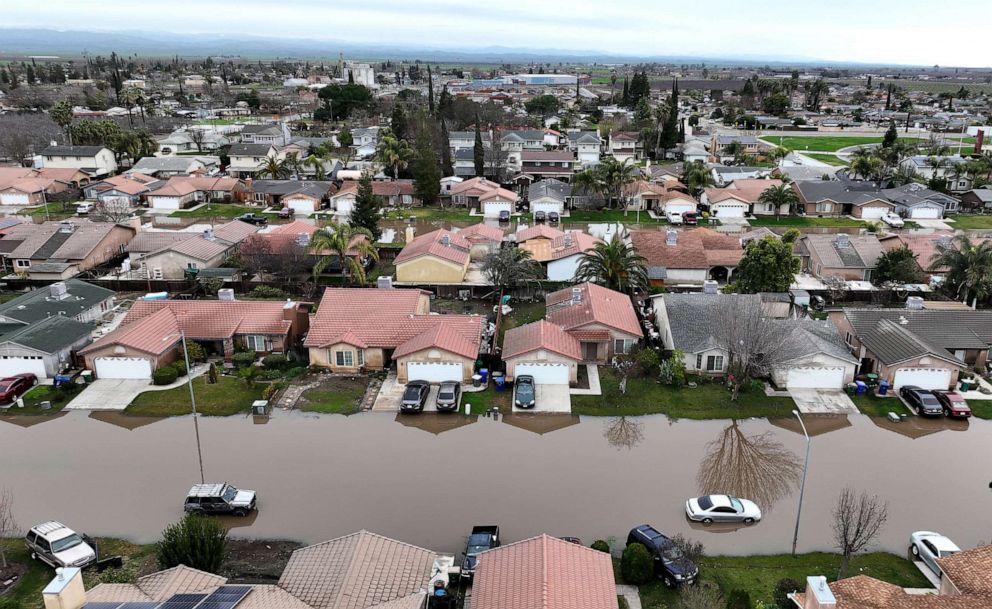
862, 387
883, 387
499, 380
483, 375
62, 379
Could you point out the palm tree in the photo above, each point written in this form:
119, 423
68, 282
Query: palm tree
393, 152
780, 195
696, 176
317, 163
970, 268
293, 163
511, 266
615, 265
609, 178
352, 246
275, 168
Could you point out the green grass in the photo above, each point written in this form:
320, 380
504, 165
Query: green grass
54, 211
335, 396
579, 216
226, 397
829, 159
877, 406
451, 214
219, 210
32, 400
709, 400
981, 409
484, 400
806, 221
971, 221
820, 144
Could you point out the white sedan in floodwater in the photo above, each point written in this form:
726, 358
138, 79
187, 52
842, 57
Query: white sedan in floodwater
722, 508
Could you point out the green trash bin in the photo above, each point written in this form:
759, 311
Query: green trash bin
851, 389
965, 385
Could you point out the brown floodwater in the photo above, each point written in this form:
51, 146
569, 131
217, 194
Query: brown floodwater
427, 479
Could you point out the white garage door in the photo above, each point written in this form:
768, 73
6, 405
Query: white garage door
165, 202
730, 211
12, 198
926, 378
10, 365
550, 374
123, 368
345, 206
492, 209
301, 206
873, 213
815, 378
546, 207
925, 213
679, 207
434, 372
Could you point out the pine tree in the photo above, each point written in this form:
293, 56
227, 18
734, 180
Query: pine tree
427, 174
398, 122
447, 166
625, 96
430, 90
444, 104
479, 151
890, 137
365, 213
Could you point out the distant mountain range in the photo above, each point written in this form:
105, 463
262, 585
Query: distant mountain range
72, 43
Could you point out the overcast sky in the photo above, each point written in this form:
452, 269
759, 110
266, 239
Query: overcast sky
884, 31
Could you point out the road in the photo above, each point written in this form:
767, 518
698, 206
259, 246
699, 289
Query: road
428, 479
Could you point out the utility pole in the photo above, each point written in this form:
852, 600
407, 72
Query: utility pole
802, 487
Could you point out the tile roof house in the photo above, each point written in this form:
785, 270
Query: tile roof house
544, 572
849, 257
543, 350
131, 186
26, 186
59, 250
689, 256
916, 346
560, 254
440, 256
603, 321
748, 192
185, 191
152, 331
178, 257
483, 238
926, 247
484, 196
368, 328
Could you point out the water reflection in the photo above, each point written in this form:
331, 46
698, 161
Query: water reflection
436, 422
125, 421
541, 422
623, 432
30, 420
816, 424
238, 522
756, 467
917, 427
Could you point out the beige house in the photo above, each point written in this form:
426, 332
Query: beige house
440, 256
542, 350
484, 239
848, 257
603, 321
175, 257
95, 161
59, 250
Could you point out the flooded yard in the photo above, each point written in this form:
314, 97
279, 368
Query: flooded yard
428, 479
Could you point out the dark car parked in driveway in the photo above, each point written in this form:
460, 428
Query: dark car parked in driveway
447, 396
954, 405
670, 565
924, 402
540, 216
415, 396
15, 386
504, 216
524, 395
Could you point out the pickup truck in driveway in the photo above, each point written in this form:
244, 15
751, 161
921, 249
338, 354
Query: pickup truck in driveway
483, 538
255, 219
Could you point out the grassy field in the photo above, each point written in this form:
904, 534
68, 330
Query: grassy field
226, 397
821, 144
219, 210
451, 214
608, 215
807, 221
54, 211
971, 221
709, 400
58, 397
829, 159
879, 407
335, 396
981, 409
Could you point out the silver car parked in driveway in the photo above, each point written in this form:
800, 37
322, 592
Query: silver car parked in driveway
928, 546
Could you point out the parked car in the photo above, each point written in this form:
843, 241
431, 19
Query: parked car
574, 540
922, 401
674, 217
954, 405
553, 217
219, 499
504, 216
929, 546
59, 546
540, 216
722, 508
255, 219
285, 213
524, 395
670, 565
690, 218
483, 537
84, 208
415, 396
15, 386
447, 395
893, 219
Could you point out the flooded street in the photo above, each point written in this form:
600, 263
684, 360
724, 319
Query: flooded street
428, 479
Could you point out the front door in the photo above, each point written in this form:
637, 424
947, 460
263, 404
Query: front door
590, 351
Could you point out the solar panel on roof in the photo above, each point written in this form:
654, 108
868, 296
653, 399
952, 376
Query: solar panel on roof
217, 605
170, 604
229, 593
102, 605
139, 605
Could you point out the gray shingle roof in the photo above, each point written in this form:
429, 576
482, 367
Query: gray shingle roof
555, 189
39, 304
924, 331
838, 191
862, 253
811, 337
249, 149
72, 150
694, 318
153, 164
48, 335
914, 195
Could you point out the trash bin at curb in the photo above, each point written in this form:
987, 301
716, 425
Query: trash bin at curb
477, 380
499, 380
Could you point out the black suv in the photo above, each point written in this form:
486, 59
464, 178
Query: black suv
921, 400
670, 565
415, 396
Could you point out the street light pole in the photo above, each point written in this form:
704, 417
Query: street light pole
192, 400
802, 487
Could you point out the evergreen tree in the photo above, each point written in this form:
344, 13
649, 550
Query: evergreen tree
398, 122
625, 96
447, 166
365, 214
891, 136
444, 104
479, 151
426, 172
430, 90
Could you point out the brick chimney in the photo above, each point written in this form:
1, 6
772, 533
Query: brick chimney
818, 594
66, 591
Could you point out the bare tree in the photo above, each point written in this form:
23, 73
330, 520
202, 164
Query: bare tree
623, 432
22, 135
703, 596
757, 467
198, 136
693, 550
755, 344
858, 519
8, 526
113, 209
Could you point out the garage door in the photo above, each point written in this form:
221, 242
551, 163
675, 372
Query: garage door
815, 378
491, 210
548, 374
873, 213
345, 207
927, 378
679, 207
546, 207
434, 372
301, 206
123, 368
731, 211
925, 213
10, 365
14, 199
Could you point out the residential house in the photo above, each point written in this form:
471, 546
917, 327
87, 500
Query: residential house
373, 329
167, 167
73, 298
391, 193
95, 161
302, 197
60, 250
184, 257
463, 162
271, 133
722, 145
364, 142
549, 195
848, 257
544, 351
687, 257
441, 256
919, 347
587, 146
559, 252
132, 187
723, 175
484, 239
740, 198
841, 198
926, 247
23, 186
151, 334
977, 199
468, 192
695, 150
625, 146
603, 321
514, 143
187, 191
248, 160
544, 572
540, 164
184, 141
644, 195
805, 173
462, 140
949, 168
916, 201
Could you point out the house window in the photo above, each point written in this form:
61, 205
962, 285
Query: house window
361, 357
714, 363
23, 264
824, 207
699, 361
191, 266
621, 345
255, 342
344, 359
849, 339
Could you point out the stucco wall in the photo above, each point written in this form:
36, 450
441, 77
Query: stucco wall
428, 269
434, 355
121, 351
543, 356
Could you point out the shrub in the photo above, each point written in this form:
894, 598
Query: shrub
673, 369
164, 376
270, 391
194, 541
600, 545
195, 351
636, 565
693, 550
648, 361
116, 576
738, 599
266, 291
180, 367
212, 374
783, 589
276, 361
622, 603
244, 359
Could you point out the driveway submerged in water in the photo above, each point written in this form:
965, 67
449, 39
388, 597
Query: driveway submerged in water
427, 479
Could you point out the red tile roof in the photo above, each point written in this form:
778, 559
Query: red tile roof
971, 571
459, 334
183, 185
480, 233
474, 187
538, 230
544, 573
699, 248
568, 244
595, 305
380, 189
540, 335
432, 244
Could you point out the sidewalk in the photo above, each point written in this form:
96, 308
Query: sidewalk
594, 388
117, 394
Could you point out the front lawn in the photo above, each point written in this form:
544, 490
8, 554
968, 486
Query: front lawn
58, 397
709, 400
227, 396
971, 221
482, 401
450, 213
829, 159
54, 211
806, 221
876, 406
594, 216
981, 409
337, 395
219, 210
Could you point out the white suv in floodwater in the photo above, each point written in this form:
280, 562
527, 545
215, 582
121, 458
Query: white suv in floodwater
59, 546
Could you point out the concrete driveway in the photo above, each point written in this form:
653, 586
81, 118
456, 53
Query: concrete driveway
550, 398
823, 401
108, 394
391, 394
